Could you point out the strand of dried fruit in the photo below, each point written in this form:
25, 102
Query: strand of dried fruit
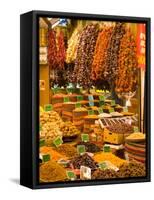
99, 62
60, 50
72, 46
111, 67
85, 52
52, 49
126, 79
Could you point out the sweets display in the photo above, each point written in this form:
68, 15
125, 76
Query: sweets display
91, 122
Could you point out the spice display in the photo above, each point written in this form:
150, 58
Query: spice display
67, 150
90, 102
132, 169
52, 49
83, 160
53, 154
84, 58
136, 136
104, 174
135, 147
90, 147
126, 79
104, 156
126, 170
52, 172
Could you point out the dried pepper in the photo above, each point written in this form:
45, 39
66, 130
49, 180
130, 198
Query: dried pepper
60, 50
84, 58
126, 79
52, 49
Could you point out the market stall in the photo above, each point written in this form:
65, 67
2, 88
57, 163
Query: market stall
91, 100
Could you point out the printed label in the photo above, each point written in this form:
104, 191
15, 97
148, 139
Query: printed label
71, 175
48, 107
81, 149
90, 112
58, 141
42, 142
85, 137
106, 149
101, 98
79, 98
78, 105
46, 157
66, 99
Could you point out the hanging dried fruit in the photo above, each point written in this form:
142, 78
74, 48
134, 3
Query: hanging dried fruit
126, 79
100, 55
85, 52
72, 46
111, 68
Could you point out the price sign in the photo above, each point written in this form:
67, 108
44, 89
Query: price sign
81, 149
125, 109
66, 99
101, 98
58, 141
42, 143
46, 157
91, 103
90, 98
106, 149
85, 137
90, 112
111, 110
79, 98
71, 175
100, 110
101, 103
113, 103
102, 165
40, 128
69, 90
78, 105
136, 129
48, 107
55, 90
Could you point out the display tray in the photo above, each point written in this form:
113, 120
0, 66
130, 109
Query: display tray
85, 113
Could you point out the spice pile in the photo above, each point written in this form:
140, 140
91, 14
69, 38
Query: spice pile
51, 172
67, 150
101, 157
90, 147
126, 170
